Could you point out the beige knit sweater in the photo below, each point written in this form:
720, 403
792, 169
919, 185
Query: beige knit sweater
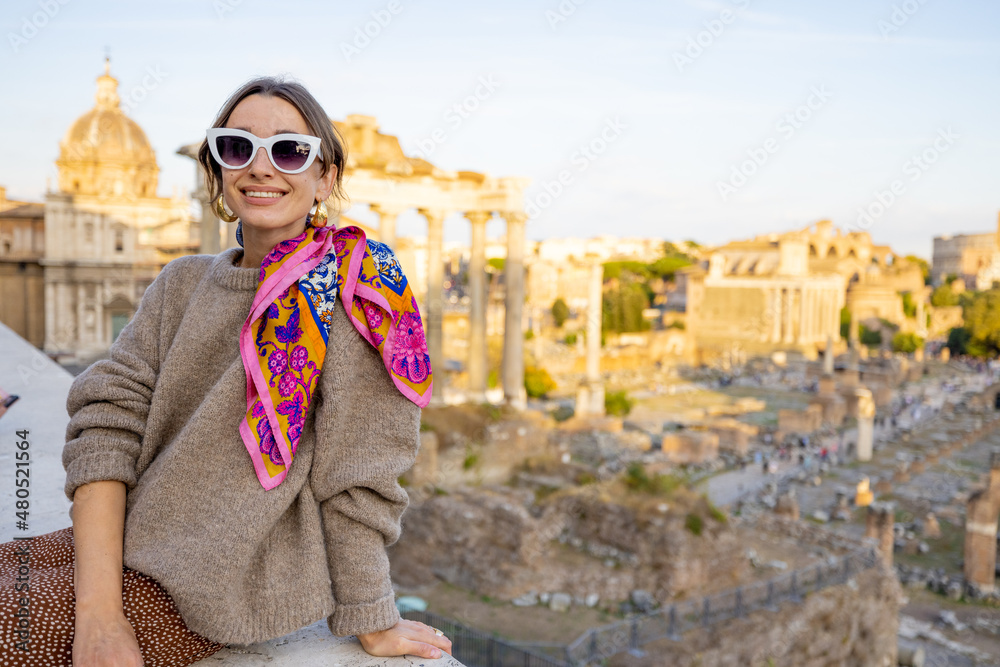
162, 414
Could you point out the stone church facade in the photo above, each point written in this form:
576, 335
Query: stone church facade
73, 269
106, 232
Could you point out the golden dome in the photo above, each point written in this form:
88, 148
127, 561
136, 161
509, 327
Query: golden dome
105, 152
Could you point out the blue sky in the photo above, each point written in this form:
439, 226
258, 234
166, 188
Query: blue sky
692, 98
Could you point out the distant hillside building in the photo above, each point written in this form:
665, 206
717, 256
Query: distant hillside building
785, 291
975, 258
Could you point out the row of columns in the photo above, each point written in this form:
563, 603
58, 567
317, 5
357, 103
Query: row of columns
817, 314
513, 351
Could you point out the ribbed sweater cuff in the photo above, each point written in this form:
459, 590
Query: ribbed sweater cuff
364, 618
98, 467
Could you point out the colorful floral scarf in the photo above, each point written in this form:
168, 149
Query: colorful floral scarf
284, 339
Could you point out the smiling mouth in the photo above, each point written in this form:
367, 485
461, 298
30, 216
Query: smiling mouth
258, 193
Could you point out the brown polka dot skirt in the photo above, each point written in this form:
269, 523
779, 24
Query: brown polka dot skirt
44, 610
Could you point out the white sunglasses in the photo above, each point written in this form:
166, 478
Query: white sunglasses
289, 153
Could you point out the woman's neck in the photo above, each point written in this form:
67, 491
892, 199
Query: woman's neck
257, 243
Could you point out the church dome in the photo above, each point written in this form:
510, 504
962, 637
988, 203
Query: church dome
105, 152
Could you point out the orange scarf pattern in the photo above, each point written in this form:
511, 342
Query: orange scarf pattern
284, 339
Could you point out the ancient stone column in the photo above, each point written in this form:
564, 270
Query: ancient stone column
775, 315
981, 516
864, 496
209, 241
477, 306
854, 340
866, 423
788, 319
805, 331
879, 524
513, 336
591, 401
932, 528
435, 298
828, 356
386, 223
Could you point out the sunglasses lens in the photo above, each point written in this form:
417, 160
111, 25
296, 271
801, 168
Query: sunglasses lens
234, 151
290, 155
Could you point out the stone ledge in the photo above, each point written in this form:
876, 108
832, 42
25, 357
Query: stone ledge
314, 647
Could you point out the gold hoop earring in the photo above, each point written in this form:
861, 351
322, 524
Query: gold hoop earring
320, 217
220, 210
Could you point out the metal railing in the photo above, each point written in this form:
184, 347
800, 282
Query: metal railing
475, 648
672, 622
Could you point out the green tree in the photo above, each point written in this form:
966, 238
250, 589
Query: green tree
944, 296
537, 382
666, 267
907, 343
845, 323
869, 337
909, 307
958, 340
560, 312
614, 270
982, 319
925, 267
617, 403
623, 306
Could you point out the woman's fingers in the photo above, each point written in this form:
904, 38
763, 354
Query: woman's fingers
420, 639
411, 647
407, 638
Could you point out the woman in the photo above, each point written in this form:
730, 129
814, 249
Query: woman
248, 464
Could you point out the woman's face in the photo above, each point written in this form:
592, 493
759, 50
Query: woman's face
264, 198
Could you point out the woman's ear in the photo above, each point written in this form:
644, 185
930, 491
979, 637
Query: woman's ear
326, 182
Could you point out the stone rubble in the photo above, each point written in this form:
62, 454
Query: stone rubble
911, 628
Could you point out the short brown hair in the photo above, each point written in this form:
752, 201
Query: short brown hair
334, 149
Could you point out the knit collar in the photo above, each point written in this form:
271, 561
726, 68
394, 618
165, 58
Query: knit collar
225, 272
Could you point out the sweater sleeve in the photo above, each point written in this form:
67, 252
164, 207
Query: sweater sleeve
108, 403
367, 435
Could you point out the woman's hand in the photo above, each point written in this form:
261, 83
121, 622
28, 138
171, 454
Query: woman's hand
105, 640
406, 638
